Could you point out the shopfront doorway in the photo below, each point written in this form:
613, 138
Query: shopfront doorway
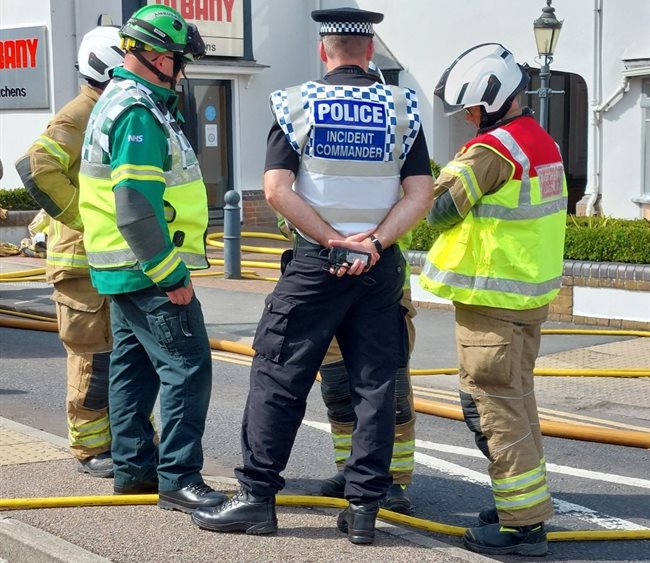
206, 106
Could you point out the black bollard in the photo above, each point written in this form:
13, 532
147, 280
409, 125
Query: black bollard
231, 237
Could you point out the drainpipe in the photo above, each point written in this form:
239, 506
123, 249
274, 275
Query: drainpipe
593, 192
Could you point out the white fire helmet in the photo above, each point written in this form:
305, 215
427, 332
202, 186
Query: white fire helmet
99, 54
486, 75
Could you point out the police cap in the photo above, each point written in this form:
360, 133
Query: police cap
346, 21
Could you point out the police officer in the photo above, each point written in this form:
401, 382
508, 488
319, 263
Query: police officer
144, 209
50, 172
502, 205
347, 142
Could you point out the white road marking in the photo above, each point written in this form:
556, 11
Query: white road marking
469, 475
551, 467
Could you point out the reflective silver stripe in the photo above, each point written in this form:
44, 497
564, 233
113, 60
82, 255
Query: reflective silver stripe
491, 211
126, 256
508, 141
523, 501
193, 260
111, 257
517, 483
483, 283
469, 181
93, 170
337, 215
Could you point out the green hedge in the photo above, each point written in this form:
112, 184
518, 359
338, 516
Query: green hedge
18, 200
598, 239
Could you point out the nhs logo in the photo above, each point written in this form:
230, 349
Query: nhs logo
136, 138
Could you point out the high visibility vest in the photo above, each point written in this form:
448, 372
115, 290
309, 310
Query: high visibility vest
508, 251
185, 194
352, 142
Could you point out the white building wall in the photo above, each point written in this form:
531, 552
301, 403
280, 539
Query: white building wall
283, 42
424, 36
427, 36
66, 22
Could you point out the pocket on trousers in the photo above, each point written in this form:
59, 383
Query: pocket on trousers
170, 330
272, 328
485, 356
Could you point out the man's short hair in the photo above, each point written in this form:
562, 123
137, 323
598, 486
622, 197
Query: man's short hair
353, 46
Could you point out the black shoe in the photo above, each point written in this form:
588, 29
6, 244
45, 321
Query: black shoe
242, 513
100, 465
488, 516
358, 522
141, 488
397, 500
334, 486
495, 539
188, 499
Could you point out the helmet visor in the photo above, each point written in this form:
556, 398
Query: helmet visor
194, 46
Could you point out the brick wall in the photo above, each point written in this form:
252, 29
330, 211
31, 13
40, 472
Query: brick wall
257, 212
633, 277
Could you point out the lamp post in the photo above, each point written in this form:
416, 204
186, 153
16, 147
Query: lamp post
547, 31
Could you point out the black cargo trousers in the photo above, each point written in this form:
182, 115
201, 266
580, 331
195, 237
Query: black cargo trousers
305, 310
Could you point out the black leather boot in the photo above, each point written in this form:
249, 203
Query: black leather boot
358, 522
397, 500
334, 486
100, 465
488, 516
495, 539
187, 499
242, 513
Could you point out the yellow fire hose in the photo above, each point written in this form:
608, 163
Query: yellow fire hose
585, 432
312, 501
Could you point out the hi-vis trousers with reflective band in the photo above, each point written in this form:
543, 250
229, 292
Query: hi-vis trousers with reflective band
335, 389
497, 349
85, 331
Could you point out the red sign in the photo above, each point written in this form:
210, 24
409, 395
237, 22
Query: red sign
220, 22
18, 53
202, 10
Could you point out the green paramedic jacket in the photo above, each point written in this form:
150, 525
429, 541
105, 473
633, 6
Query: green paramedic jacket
142, 199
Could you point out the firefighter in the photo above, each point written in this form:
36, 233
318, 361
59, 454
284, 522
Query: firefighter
502, 206
49, 171
336, 156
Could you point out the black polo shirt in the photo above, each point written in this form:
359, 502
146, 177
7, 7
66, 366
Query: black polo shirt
280, 155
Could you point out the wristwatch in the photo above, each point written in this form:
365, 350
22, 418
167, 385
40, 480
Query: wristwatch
375, 241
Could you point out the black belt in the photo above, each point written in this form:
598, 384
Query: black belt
302, 247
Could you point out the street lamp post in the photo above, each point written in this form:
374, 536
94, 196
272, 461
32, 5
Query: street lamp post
547, 31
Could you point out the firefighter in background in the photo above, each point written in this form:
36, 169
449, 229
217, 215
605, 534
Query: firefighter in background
49, 172
35, 246
502, 206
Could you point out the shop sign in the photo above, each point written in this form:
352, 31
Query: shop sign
23, 68
220, 22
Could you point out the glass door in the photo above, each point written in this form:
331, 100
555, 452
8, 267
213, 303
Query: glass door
207, 108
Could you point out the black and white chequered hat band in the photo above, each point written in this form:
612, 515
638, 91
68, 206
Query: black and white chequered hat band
346, 28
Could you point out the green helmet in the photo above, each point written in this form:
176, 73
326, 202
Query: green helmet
161, 28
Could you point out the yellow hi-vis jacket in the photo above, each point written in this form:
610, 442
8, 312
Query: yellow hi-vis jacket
508, 250
185, 199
